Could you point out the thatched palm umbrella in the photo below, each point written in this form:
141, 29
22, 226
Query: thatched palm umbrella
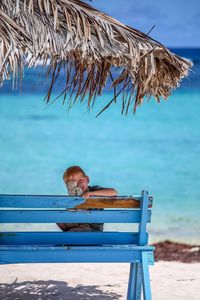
12, 46
91, 47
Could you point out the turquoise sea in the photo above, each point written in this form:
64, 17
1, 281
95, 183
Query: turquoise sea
157, 149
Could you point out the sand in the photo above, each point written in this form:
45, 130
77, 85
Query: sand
169, 280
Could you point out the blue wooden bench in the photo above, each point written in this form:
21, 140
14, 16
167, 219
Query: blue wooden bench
79, 247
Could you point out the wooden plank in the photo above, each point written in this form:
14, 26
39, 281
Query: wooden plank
68, 238
105, 202
61, 201
138, 282
131, 281
39, 201
25, 254
77, 216
146, 277
144, 218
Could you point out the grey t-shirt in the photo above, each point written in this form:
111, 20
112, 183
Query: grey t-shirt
85, 226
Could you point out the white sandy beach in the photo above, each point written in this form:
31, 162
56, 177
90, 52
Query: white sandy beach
170, 281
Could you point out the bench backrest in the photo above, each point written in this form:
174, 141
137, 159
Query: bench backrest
67, 209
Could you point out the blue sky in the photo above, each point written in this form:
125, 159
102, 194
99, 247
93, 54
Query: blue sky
177, 21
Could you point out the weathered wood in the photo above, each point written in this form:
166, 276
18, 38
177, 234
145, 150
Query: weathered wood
48, 201
69, 238
40, 201
105, 202
72, 216
59, 254
146, 277
144, 219
49, 247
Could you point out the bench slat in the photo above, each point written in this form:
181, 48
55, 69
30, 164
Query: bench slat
64, 216
25, 254
68, 238
35, 201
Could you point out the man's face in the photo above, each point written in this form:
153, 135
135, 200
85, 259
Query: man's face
81, 180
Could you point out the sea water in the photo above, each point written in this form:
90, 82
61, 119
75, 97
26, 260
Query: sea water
157, 149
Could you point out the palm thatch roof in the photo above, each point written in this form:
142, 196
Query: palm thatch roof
12, 47
91, 47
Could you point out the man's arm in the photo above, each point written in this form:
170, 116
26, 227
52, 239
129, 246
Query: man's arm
101, 192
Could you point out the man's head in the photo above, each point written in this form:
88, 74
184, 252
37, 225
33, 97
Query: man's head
76, 174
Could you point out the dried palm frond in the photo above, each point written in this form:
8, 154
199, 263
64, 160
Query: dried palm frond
92, 47
13, 45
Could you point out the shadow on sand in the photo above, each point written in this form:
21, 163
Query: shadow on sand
53, 290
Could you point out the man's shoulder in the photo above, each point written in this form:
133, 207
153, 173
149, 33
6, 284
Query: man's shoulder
95, 188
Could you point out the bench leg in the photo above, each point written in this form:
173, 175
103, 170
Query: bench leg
146, 277
135, 282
